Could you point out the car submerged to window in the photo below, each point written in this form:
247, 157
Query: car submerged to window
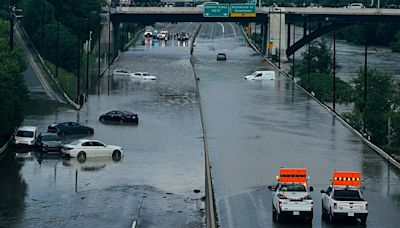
87, 148
70, 128
120, 116
221, 56
121, 73
143, 76
261, 75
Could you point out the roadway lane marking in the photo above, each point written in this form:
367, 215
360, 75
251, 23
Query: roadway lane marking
233, 27
222, 26
228, 212
212, 28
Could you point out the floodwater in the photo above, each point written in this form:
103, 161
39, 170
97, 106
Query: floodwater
256, 127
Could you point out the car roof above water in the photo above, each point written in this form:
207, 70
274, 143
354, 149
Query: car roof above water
27, 128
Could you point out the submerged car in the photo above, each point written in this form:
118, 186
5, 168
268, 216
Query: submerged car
221, 56
121, 73
26, 136
86, 148
120, 116
48, 142
261, 75
69, 128
143, 76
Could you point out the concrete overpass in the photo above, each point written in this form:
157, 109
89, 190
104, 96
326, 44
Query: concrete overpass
272, 19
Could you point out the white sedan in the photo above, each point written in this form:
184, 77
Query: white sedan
143, 76
121, 73
86, 148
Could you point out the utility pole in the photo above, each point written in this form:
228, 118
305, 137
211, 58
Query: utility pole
12, 28
87, 62
334, 71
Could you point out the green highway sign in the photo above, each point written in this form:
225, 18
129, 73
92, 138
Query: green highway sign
243, 10
216, 10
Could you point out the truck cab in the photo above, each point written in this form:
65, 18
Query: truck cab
343, 198
291, 197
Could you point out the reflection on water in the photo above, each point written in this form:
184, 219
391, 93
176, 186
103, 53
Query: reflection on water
13, 190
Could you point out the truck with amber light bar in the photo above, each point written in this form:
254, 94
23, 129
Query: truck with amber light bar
291, 195
343, 198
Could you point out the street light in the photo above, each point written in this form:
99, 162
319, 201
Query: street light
14, 13
87, 61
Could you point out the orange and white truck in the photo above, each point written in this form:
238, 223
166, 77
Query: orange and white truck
291, 196
343, 198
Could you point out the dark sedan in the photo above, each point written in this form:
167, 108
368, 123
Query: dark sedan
120, 116
69, 128
48, 142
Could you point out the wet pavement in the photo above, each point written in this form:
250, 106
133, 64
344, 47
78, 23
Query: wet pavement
155, 183
253, 129
256, 127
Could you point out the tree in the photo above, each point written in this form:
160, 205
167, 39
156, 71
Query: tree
13, 91
381, 102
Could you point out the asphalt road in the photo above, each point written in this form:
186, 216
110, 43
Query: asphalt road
255, 127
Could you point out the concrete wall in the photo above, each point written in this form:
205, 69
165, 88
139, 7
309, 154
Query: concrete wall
276, 41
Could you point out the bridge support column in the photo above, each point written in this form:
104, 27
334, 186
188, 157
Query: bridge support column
116, 28
264, 38
277, 36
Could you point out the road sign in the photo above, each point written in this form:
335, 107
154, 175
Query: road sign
243, 10
216, 10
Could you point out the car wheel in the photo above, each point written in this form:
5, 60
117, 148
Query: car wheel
363, 221
116, 155
273, 213
90, 132
81, 156
102, 119
277, 217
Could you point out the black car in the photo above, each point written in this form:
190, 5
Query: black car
69, 128
183, 36
221, 56
48, 142
120, 116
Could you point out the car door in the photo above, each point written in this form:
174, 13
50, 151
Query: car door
258, 76
102, 149
325, 199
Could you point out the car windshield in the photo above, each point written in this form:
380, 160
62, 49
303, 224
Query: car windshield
347, 194
50, 138
293, 188
28, 134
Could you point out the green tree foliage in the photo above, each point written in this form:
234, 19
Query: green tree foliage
395, 44
320, 79
75, 18
380, 103
13, 91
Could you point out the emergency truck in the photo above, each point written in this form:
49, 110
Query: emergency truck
343, 198
291, 196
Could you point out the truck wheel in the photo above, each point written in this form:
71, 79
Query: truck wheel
363, 221
277, 217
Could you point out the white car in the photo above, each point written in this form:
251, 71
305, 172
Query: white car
356, 6
26, 136
261, 75
121, 73
143, 76
163, 35
87, 148
207, 3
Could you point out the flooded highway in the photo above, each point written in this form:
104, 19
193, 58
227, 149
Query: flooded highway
160, 180
256, 127
253, 127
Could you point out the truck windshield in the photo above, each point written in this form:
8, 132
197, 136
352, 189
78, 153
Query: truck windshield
293, 188
347, 195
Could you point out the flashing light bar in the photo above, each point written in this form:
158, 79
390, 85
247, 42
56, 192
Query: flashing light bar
345, 178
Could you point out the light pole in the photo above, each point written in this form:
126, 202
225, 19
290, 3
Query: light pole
280, 31
14, 13
87, 61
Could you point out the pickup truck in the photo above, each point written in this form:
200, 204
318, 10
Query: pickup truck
290, 197
343, 199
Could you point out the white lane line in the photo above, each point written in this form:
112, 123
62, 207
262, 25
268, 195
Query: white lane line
233, 28
222, 26
228, 212
212, 28
133, 224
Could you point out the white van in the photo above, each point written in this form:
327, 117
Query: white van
26, 136
261, 75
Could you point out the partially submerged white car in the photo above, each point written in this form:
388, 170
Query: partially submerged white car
261, 75
143, 76
86, 148
121, 73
